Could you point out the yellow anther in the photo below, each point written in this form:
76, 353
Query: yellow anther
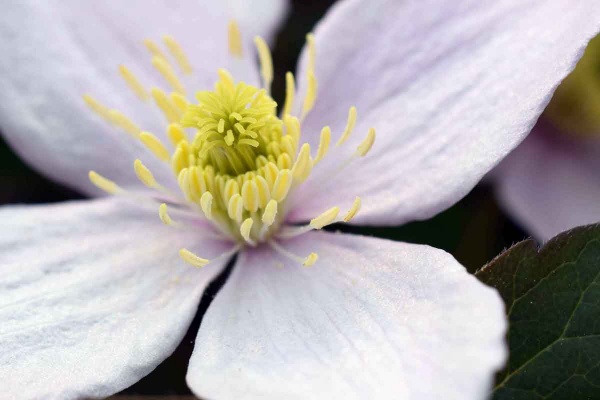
229, 138
250, 195
133, 83
353, 210
179, 160
235, 39
310, 260
98, 108
176, 134
178, 54
270, 213
245, 228
155, 146
104, 184
266, 62
271, 172
179, 101
124, 123
311, 94
326, 218
282, 185
366, 144
168, 73
284, 161
144, 174
290, 93
292, 126
231, 188
206, 204
164, 215
235, 208
349, 126
162, 101
303, 165
221, 126
323, 144
312, 53
192, 259
264, 194
154, 49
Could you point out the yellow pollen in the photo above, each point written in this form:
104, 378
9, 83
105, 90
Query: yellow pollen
366, 144
163, 215
349, 126
290, 93
155, 146
178, 54
104, 184
144, 174
192, 259
133, 83
310, 260
168, 73
266, 62
326, 218
235, 39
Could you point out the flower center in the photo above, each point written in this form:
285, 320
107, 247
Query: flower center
243, 161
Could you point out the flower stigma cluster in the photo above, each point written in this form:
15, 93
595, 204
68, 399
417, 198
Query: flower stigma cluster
236, 161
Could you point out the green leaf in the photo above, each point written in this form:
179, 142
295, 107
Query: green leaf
552, 299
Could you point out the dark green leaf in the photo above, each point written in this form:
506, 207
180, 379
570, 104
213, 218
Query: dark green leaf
552, 298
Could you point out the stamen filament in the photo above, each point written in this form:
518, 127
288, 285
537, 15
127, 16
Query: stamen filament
178, 54
192, 259
323, 144
164, 215
155, 146
168, 73
366, 144
290, 93
306, 261
349, 126
144, 174
266, 62
103, 183
154, 49
133, 83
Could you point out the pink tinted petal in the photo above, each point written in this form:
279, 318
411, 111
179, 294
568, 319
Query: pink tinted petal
93, 296
451, 88
54, 52
372, 319
551, 184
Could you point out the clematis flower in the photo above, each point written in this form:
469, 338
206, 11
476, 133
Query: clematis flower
94, 294
550, 183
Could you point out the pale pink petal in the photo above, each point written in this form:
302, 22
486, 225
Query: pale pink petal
93, 296
372, 319
54, 52
550, 184
451, 88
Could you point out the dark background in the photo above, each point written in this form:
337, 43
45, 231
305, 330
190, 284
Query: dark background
474, 230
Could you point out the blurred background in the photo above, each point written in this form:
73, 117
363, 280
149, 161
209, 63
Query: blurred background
475, 230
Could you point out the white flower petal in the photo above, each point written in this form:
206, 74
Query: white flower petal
550, 184
93, 296
54, 52
450, 86
372, 319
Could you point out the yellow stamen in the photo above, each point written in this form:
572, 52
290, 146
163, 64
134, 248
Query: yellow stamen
206, 204
133, 83
303, 165
311, 95
192, 259
98, 108
155, 146
353, 210
366, 144
154, 49
324, 219
176, 134
235, 39
270, 213
250, 195
235, 207
168, 73
164, 215
178, 54
179, 101
245, 229
290, 93
349, 126
323, 144
162, 101
144, 174
282, 185
124, 123
310, 260
312, 53
266, 62
104, 184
